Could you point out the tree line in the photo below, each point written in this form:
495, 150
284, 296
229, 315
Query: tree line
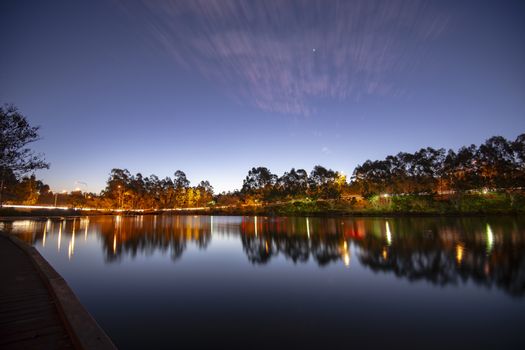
496, 165
127, 191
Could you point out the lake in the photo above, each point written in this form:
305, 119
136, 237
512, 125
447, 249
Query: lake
276, 282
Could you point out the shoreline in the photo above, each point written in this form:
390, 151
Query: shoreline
54, 214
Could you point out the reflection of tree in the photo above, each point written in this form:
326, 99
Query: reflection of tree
450, 255
442, 251
295, 248
125, 236
261, 249
265, 238
326, 250
258, 250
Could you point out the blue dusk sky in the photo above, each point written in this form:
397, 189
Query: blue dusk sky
216, 87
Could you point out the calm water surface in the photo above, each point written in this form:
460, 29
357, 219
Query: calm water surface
260, 282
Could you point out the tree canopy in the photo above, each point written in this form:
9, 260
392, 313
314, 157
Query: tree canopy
16, 157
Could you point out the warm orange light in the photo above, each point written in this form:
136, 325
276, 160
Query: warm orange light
459, 253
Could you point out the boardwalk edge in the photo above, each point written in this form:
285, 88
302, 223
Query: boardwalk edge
83, 328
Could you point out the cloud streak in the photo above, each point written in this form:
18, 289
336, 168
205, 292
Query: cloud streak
281, 56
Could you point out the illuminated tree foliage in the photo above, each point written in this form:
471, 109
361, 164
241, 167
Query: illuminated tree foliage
126, 191
497, 164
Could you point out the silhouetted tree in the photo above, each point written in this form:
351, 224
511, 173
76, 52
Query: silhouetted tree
259, 181
16, 158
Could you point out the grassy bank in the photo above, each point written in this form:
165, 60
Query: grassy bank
467, 204
490, 204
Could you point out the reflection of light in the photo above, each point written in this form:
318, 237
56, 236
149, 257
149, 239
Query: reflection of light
459, 253
86, 229
388, 234
385, 254
211, 224
345, 254
485, 191
490, 238
72, 243
346, 259
44, 238
59, 235
114, 244
266, 246
255, 224
308, 228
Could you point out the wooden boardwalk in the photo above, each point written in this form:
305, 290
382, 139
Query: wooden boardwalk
38, 310
29, 318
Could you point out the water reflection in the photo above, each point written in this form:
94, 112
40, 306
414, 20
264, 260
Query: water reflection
442, 251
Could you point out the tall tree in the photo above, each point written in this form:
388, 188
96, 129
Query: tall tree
16, 134
324, 183
260, 183
181, 185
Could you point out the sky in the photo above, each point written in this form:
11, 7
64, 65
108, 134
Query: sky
216, 87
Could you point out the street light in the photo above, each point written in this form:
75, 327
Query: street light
120, 197
56, 195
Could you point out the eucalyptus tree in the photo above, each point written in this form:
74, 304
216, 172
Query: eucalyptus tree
496, 162
324, 183
293, 183
181, 185
260, 182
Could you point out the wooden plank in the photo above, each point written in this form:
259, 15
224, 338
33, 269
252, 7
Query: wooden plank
29, 318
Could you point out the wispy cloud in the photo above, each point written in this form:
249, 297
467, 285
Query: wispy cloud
281, 55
